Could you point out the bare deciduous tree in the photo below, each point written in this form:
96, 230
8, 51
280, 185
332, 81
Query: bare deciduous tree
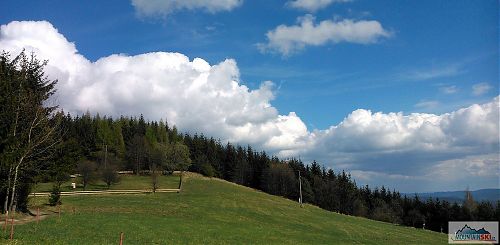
110, 176
86, 169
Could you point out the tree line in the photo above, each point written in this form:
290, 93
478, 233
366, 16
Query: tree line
40, 143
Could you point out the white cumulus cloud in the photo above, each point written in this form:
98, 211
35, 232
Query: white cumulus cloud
166, 7
193, 94
420, 150
290, 39
313, 5
481, 166
466, 130
209, 98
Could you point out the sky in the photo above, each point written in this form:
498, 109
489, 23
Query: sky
398, 93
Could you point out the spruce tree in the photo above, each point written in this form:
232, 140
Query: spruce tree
28, 127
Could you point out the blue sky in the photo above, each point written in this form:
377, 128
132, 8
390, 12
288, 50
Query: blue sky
430, 57
457, 40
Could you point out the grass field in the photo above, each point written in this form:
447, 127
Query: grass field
207, 211
128, 182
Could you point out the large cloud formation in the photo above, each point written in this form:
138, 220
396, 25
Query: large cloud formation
291, 39
190, 93
198, 97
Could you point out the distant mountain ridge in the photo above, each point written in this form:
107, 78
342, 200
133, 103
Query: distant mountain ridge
491, 195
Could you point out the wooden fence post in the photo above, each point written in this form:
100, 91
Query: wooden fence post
6, 220
12, 228
121, 238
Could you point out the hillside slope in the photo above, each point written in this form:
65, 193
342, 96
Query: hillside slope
210, 211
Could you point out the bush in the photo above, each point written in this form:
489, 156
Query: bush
110, 176
55, 196
23, 191
87, 170
207, 170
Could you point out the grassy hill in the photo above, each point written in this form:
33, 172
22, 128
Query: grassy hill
208, 211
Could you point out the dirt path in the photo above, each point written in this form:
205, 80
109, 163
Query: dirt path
25, 218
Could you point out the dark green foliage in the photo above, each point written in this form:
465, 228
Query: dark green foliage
87, 170
497, 211
28, 126
207, 170
136, 153
383, 212
55, 196
360, 208
279, 179
63, 161
23, 191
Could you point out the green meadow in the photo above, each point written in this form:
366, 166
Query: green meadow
207, 211
127, 182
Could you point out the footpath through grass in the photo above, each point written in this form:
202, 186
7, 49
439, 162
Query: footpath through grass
208, 211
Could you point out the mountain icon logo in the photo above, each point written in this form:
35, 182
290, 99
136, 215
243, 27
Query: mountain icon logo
468, 233
468, 230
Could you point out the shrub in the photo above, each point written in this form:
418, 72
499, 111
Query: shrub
207, 170
110, 176
55, 196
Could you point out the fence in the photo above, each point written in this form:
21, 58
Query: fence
106, 192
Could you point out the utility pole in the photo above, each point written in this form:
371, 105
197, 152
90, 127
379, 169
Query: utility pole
300, 190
